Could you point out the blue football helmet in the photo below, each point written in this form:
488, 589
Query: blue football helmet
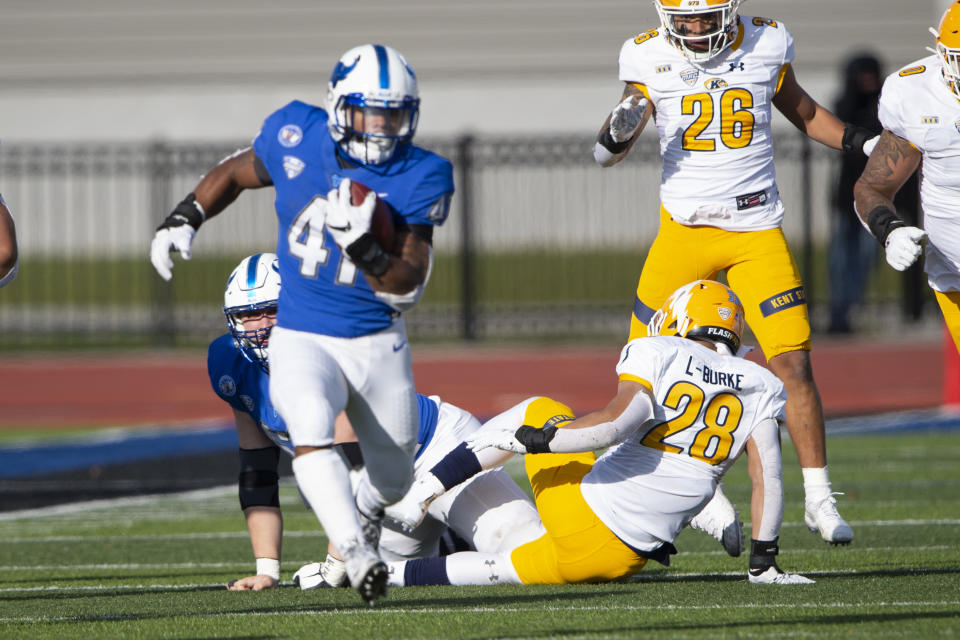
373, 103
254, 286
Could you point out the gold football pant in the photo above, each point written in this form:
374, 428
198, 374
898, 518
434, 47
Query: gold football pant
577, 547
760, 270
950, 306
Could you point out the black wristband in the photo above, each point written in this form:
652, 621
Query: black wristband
535, 440
763, 553
368, 255
607, 142
854, 137
187, 212
881, 221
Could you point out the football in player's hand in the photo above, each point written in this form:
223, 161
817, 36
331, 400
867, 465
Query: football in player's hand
381, 224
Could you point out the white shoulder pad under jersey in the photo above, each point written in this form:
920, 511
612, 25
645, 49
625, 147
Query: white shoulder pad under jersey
707, 404
714, 124
917, 105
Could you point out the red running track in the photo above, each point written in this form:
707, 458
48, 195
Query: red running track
52, 392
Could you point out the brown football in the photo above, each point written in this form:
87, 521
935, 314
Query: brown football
381, 224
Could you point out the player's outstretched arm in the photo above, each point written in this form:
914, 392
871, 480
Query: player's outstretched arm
623, 415
622, 126
766, 509
8, 246
215, 191
259, 499
890, 165
815, 120
806, 114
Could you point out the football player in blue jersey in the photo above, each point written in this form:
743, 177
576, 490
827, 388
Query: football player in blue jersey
489, 512
340, 342
8, 246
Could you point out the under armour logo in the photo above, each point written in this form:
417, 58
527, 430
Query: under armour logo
491, 567
735, 65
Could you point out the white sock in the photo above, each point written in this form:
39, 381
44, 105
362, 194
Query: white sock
472, 567
457, 569
816, 484
325, 483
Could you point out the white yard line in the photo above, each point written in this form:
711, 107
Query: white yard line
387, 609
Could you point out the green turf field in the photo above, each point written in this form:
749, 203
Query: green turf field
155, 567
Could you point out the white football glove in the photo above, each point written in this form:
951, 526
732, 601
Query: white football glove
330, 573
869, 145
412, 508
503, 439
903, 246
774, 575
347, 222
626, 117
166, 240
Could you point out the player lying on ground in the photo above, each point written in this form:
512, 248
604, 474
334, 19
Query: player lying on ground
491, 513
685, 408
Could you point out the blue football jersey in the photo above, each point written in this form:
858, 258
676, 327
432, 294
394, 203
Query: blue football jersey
323, 291
245, 387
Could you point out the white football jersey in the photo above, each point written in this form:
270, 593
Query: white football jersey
714, 124
917, 105
706, 405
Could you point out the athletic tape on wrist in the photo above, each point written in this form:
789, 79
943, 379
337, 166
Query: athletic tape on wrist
268, 567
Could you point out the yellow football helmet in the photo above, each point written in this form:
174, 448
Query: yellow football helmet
703, 309
715, 22
948, 47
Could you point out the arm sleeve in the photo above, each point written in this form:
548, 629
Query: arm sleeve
605, 434
766, 437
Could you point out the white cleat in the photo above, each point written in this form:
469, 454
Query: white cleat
824, 518
773, 575
412, 508
331, 573
368, 574
719, 519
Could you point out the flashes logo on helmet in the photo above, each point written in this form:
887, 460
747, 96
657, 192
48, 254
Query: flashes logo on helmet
703, 310
948, 47
700, 29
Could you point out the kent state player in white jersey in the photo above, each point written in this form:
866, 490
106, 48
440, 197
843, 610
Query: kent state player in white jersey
490, 512
340, 342
710, 78
685, 409
920, 113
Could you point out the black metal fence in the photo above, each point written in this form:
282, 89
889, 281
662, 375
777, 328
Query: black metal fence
540, 243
